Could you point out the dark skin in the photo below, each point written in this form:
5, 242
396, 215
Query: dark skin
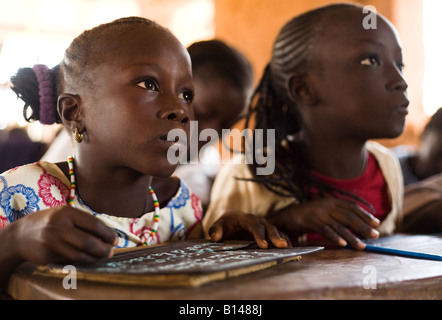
428, 161
233, 223
425, 220
141, 91
217, 105
353, 91
150, 88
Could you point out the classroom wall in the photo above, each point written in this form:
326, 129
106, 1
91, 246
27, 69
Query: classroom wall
252, 26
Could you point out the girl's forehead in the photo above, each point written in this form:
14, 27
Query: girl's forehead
147, 43
349, 28
354, 21
145, 36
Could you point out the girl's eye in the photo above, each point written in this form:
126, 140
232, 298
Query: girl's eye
369, 61
148, 84
186, 96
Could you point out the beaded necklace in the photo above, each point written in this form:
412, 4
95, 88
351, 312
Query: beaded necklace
152, 193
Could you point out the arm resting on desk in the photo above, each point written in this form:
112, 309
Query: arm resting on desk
425, 220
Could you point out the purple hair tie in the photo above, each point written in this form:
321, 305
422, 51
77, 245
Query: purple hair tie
46, 93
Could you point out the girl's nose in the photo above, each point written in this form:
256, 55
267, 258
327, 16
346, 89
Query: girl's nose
175, 113
179, 115
397, 82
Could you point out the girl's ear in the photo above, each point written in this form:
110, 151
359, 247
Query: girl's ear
301, 91
69, 109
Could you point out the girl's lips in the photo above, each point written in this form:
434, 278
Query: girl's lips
176, 143
403, 108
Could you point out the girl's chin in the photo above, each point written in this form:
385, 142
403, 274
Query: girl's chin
164, 171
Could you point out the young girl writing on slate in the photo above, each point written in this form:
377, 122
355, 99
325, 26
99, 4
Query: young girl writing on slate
332, 84
119, 90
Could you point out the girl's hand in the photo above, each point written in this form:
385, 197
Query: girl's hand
238, 225
333, 218
62, 234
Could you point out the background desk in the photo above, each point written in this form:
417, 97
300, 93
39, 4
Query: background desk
334, 273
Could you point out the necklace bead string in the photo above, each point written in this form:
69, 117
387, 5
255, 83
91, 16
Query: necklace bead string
156, 203
73, 184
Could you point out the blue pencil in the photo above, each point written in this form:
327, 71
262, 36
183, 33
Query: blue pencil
403, 252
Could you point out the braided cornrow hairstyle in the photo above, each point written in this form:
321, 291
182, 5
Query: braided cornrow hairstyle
271, 108
39, 87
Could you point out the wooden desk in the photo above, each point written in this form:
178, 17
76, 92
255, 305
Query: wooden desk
334, 273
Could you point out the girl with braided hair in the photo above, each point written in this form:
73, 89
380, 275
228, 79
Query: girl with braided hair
119, 90
330, 87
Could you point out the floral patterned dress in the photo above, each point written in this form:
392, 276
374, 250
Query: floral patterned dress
42, 185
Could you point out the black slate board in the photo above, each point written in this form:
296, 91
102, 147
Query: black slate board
185, 263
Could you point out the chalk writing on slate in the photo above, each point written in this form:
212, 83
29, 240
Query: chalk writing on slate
197, 257
185, 258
